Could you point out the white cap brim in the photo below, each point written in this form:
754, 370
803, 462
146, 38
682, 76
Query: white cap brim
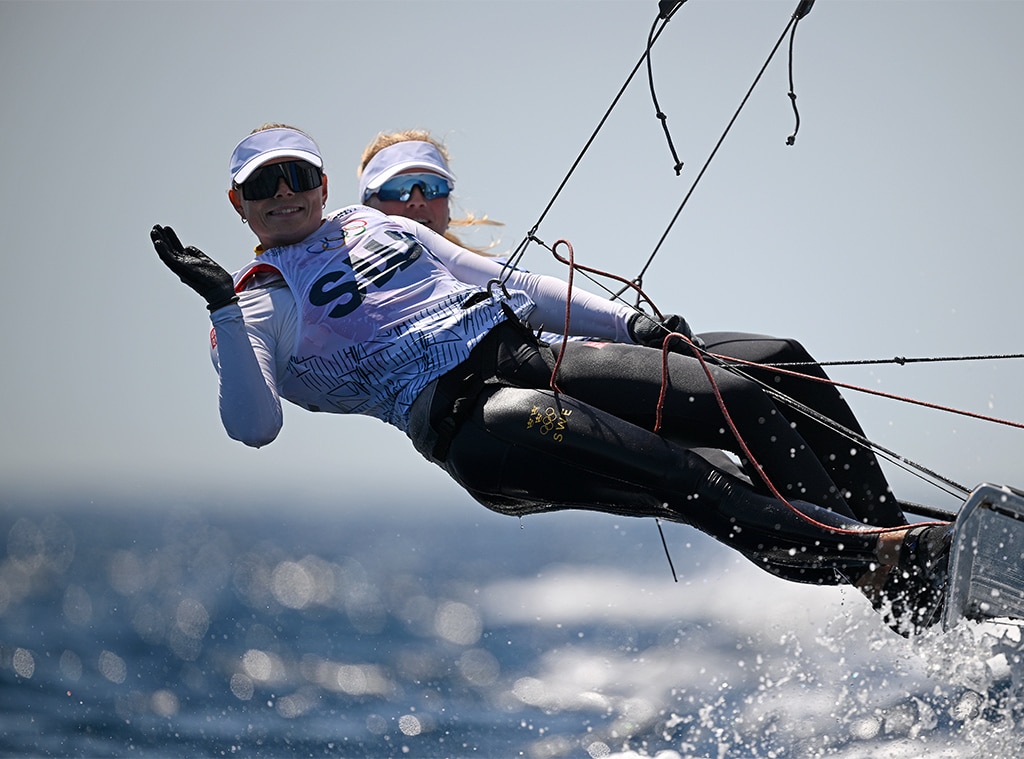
269, 145
400, 157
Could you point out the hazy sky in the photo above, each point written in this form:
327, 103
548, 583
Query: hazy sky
893, 227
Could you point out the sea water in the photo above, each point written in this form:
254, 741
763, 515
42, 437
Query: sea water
165, 629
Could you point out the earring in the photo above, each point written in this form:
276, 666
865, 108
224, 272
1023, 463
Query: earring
245, 220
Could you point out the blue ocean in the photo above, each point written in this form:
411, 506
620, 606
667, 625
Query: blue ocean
165, 628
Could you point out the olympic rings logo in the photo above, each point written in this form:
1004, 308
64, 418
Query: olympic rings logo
549, 421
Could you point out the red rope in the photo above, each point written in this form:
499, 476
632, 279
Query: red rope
568, 309
570, 262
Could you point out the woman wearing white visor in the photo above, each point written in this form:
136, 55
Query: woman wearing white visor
407, 173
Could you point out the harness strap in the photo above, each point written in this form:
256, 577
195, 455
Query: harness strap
459, 390
466, 393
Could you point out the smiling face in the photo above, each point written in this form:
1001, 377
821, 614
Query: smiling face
286, 218
433, 213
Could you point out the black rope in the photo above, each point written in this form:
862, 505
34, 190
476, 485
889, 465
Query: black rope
792, 90
802, 10
664, 544
714, 151
677, 164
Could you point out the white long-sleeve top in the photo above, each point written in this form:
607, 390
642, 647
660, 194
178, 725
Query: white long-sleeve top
365, 313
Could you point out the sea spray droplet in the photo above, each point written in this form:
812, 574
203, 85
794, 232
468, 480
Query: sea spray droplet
292, 586
242, 687
409, 725
192, 618
24, 663
113, 667
968, 706
458, 623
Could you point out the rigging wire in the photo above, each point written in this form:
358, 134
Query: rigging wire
664, 545
902, 360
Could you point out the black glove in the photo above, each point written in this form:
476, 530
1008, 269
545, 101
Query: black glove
194, 268
645, 330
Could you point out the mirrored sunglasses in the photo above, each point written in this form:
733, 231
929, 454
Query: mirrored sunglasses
401, 187
300, 176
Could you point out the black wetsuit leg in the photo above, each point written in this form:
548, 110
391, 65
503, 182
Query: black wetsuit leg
853, 468
500, 453
523, 451
626, 381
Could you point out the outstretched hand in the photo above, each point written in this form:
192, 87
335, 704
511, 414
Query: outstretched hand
646, 330
194, 268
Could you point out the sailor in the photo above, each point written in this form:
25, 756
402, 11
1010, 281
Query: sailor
359, 312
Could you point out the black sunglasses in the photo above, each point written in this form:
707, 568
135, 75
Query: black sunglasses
300, 176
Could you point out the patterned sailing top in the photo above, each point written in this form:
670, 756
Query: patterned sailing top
365, 313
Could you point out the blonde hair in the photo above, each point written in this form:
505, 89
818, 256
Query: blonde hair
387, 139
276, 125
